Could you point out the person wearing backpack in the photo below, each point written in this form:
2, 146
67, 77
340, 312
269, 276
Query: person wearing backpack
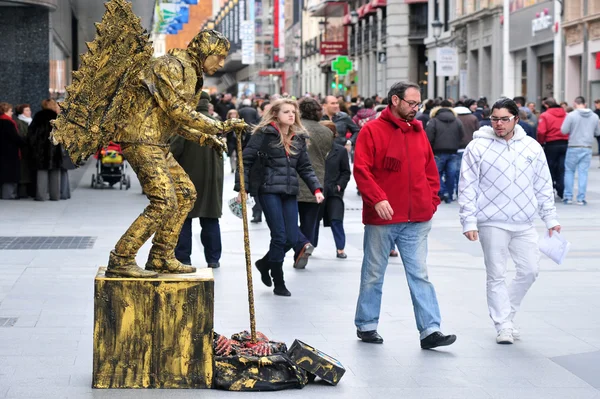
283, 158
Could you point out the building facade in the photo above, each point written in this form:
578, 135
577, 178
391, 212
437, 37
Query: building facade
536, 60
41, 41
477, 36
582, 54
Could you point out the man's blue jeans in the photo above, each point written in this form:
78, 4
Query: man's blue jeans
411, 239
281, 213
578, 158
448, 166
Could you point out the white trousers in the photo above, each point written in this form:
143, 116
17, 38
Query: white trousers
522, 246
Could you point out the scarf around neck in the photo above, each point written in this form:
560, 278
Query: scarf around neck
396, 153
25, 119
8, 118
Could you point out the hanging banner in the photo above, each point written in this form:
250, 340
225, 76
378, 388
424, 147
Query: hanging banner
248, 40
281, 30
276, 32
171, 15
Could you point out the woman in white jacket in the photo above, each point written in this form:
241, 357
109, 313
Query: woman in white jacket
504, 181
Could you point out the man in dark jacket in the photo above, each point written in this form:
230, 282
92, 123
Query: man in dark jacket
248, 113
345, 127
479, 107
205, 168
223, 106
445, 133
555, 143
319, 144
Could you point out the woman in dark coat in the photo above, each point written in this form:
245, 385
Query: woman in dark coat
10, 143
23, 120
337, 176
281, 141
47, 156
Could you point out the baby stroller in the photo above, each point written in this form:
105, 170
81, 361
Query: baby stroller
110, 168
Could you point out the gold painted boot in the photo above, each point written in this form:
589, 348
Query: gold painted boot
119, 266
167, 266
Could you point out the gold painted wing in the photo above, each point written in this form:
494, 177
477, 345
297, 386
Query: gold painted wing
102, 95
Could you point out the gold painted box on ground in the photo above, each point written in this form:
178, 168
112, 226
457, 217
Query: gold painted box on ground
154, 332
316, 362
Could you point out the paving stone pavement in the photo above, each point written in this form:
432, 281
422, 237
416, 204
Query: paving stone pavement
47, 353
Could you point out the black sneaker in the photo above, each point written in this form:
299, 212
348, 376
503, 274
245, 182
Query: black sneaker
370, 337
437, 339
214, 265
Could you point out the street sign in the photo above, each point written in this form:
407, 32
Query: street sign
447, 61
342, 65
333, 48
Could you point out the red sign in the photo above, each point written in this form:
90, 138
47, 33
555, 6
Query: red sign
334, 48
598, 60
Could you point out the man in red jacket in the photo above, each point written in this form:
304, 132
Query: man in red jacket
555, 143
396, 174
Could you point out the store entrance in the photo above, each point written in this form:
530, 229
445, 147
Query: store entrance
547, 77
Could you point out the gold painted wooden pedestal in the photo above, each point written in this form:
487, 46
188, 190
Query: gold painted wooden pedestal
154, 333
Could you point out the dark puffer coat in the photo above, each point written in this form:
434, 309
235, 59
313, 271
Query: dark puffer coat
46, 156
444, 131
280, 174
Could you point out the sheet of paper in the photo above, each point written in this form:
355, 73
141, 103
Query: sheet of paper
555, 247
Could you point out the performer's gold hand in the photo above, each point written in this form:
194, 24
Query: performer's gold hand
234, 124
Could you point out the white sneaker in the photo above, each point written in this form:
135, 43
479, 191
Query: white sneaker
505, 336
516, 333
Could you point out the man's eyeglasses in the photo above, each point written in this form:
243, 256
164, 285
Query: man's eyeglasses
504, 119
412, 104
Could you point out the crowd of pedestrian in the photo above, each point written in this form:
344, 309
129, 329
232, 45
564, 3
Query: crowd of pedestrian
503, 163
31, 166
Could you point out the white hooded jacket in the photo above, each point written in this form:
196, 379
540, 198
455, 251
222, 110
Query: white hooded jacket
503, 183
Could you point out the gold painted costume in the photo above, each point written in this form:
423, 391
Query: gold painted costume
122, 94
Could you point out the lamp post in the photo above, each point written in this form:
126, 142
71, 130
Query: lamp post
353, 17
436, 26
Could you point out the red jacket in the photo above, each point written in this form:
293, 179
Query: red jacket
549, 124
394, 162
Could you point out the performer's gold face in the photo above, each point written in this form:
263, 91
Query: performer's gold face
213, 63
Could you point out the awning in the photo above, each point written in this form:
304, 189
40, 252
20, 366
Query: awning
347, 20
328, 8
361, 11
369, 9
378, 3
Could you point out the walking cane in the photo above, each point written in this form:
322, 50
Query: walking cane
240, 134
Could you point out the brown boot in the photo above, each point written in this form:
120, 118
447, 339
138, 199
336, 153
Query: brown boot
167, 266
119, 266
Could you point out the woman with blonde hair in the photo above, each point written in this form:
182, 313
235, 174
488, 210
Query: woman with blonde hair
278, 145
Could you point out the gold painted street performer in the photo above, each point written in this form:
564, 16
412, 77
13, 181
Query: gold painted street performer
122, 94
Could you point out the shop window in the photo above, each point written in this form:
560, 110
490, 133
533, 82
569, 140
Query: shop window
58, 71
